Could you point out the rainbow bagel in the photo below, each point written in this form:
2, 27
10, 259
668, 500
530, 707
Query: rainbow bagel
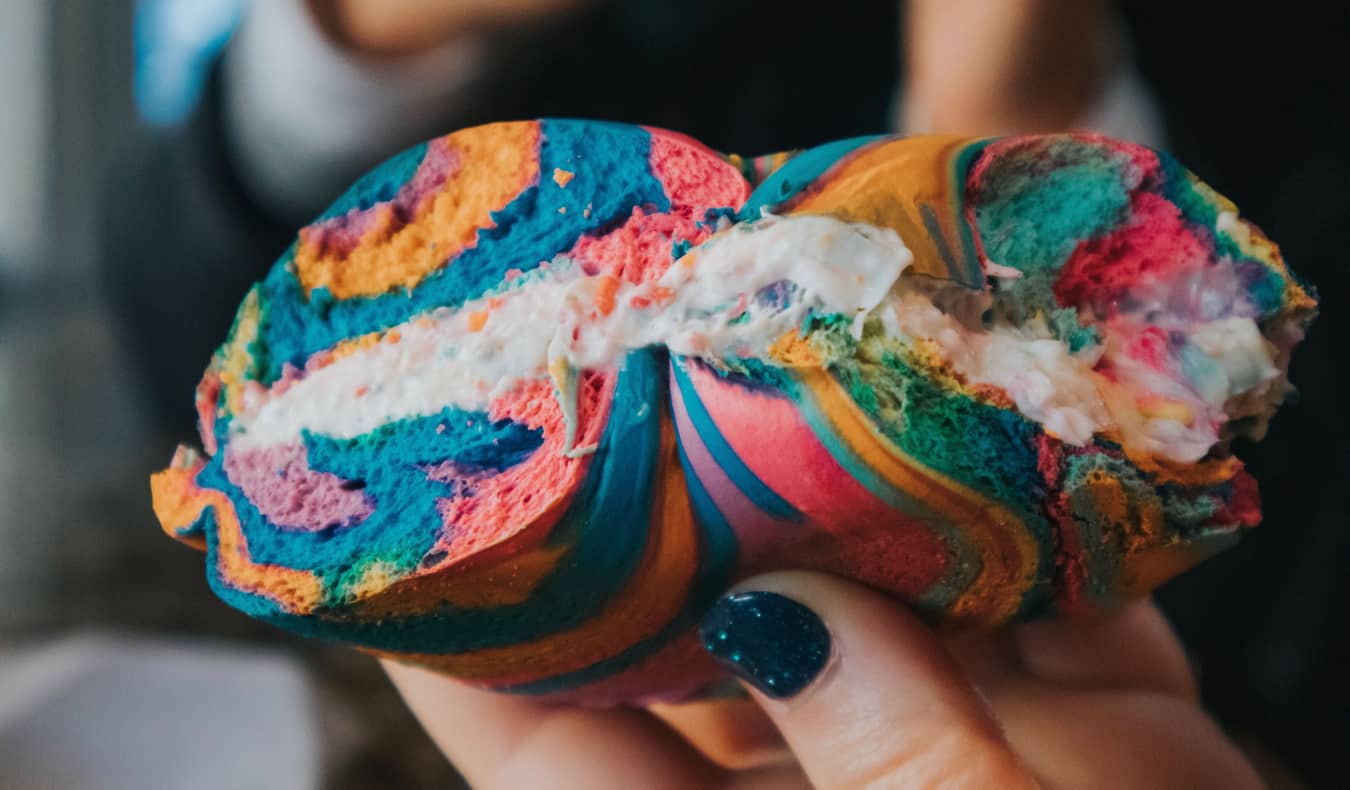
529, 397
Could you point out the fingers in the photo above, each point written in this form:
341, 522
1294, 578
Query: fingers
733, 733
497, 740
1119, 738
996, 68
989, 658
1134, 648
863, 692
405, 27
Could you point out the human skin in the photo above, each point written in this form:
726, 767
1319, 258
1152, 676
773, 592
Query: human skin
1098, 703
396, 28
972, 67
1107, 702
1012, 67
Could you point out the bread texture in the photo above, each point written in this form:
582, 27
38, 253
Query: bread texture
529, 397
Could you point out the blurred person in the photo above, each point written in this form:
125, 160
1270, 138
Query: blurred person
310, 94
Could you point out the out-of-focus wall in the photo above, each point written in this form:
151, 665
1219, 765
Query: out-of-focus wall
91, 117
24, 153
25, 160
71, 433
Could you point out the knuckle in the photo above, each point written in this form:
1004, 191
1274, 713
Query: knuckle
949, 757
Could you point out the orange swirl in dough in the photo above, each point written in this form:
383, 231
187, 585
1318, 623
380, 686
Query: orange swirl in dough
493, 164
902, 179
1009, 555
653, 597
179, 502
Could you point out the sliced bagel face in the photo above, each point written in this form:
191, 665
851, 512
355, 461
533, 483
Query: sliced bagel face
438, 429
1079, 396
349, 446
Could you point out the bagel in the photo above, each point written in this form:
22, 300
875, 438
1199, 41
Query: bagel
529, 397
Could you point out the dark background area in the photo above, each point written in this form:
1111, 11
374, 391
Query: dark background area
95, 381
1257, 105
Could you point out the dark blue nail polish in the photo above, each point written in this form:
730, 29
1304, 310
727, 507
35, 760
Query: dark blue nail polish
771, 641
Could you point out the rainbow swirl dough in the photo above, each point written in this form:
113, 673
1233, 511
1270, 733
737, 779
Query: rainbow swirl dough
527, 398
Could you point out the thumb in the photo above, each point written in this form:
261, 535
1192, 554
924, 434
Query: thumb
862, 691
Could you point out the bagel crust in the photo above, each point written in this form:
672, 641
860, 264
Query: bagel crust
529, 397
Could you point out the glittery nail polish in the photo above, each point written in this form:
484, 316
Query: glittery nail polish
771, 641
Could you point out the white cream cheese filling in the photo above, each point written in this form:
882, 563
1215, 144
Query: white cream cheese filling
1176, 417
738, 294
711, 303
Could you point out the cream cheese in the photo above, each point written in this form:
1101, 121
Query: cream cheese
1177, 416
743, 290
712, 303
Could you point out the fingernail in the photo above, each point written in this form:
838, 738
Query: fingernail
770, 641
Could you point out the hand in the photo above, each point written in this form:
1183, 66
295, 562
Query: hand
1014, 66
864, 694
390, 28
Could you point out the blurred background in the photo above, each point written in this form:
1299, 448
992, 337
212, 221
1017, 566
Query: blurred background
126, 184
